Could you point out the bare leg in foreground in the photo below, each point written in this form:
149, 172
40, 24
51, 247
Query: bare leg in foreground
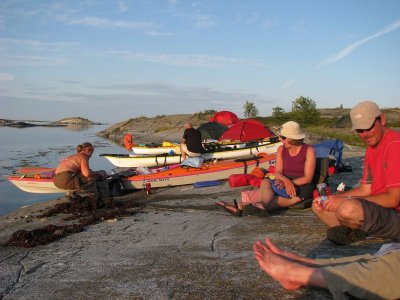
291, 275
289, 255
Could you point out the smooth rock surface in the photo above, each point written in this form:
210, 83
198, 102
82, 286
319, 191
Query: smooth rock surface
178, 245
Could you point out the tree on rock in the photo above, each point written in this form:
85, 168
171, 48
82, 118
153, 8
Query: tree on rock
304, 111
279, 114
250, 110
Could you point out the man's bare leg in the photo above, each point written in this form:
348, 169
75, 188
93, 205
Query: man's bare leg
326, 217
183, 153
289, 274
350, 214
287, 254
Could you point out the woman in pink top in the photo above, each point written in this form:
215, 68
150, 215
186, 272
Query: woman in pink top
294, 172
74, 171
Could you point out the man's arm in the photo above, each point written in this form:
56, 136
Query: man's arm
389, 199
363, 190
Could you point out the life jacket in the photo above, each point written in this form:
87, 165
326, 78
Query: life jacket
128, 141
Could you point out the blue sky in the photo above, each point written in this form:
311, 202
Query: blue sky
114, 60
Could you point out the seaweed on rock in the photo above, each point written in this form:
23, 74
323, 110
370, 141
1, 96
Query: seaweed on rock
86, 210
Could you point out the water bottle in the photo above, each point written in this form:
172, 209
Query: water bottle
321, 187
148, 188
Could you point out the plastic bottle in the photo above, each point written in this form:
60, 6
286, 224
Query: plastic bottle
148, 188
321, 187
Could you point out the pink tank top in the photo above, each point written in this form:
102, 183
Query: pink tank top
293, 166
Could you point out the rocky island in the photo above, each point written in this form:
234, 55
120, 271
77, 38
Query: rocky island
32, 123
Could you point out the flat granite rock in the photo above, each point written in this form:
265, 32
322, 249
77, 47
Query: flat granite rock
178, 245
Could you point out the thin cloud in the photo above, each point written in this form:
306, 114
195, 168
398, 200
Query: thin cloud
205, 21
142, 96
106, 23
351, 48
148, 28
270, 22
300, 26
36, 44
173, 2
6, 77
286, 84
123, 6
31, 60
248, 18
206, 61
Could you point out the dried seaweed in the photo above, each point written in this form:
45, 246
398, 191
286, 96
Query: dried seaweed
41, 236
86, 210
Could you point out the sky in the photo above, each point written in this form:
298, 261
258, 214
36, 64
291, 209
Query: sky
109, 61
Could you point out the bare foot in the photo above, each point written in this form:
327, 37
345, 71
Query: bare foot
287, 254
259, 205
276, 266
275, 249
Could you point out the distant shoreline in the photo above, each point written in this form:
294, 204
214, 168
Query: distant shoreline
59, 123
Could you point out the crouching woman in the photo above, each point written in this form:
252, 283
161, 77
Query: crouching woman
73, 172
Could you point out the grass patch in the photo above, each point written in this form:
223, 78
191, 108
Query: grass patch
163, 128
345, 135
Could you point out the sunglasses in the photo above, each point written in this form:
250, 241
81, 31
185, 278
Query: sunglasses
282, 137
369, 129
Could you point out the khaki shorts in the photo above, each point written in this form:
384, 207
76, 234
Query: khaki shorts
363, 276
191, 154
380, 221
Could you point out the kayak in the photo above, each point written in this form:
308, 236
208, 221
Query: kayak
209, 171
35, 180
170, 148
134, 161
40, 180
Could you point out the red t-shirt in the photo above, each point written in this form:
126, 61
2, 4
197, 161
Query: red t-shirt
382, 164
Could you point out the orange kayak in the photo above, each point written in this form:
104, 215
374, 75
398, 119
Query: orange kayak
207, 172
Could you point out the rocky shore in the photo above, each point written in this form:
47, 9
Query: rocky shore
153, 130
165, 128
177, 244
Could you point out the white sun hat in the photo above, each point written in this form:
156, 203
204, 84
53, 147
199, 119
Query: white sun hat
291, 130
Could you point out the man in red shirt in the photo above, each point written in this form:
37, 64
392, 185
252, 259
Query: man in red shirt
372, 208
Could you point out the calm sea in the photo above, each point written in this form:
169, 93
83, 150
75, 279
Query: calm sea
44, 146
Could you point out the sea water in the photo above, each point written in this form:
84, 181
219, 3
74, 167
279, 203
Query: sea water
45, 147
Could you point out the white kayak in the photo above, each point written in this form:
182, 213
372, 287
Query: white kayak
154, 149
35, 180
134, 161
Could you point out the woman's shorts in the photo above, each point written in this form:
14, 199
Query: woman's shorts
69, 180
304, 191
